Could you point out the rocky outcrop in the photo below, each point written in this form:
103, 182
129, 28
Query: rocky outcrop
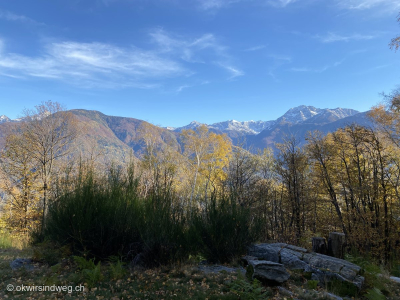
21, 263
268, 271
321, 267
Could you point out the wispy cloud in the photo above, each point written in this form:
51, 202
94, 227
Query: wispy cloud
281, 3
108, 66
333, 37
215, 4
9, 16
181, 88
92, 64
234, 72
186, 48
212, 5
205, 49
368, 4
278, 60
318, 70
255, 48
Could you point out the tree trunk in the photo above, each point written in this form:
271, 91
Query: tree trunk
336, 244
319, 245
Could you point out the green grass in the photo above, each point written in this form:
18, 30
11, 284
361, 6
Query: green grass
6, 240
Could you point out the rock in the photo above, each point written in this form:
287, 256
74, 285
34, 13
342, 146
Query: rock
207, 269
21, 262
292, 259
394, 279
285, 292
245, 259
332, 296
268, 271
268, 252
322, 267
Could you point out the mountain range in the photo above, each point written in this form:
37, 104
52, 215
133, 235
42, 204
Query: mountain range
115, 137
296, 115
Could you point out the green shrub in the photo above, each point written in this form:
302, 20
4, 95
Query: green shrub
6, 240
117, 270
90, 272
248, 290
163, 231
312, 284
97, 218
84, 264
375, 294
47, 252
105, 218
224, 230
342, 288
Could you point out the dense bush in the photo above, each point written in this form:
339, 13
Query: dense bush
224, 230
97, 218
103, 218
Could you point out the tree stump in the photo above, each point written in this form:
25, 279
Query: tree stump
336, 244
319, 245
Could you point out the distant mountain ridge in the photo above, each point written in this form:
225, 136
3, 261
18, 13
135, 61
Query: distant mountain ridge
116, 137
4, 119
296, 115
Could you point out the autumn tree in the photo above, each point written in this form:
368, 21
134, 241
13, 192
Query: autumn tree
207, 154
46, 133
19, 176
322, 153
291, 166
160, 159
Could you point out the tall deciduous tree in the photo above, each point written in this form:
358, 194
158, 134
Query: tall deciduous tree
292, 166
208, 153
47, 131
19, 180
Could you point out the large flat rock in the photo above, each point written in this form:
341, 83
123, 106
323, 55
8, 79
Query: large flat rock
269, 271
320, 265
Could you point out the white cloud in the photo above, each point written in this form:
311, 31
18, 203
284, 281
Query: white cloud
368, 4
255, 48
281, 3
318, 70
9, 16
279, 58
212, 5
186, 47
203, 49
92, 64
109, 66
215, 4
234, 72
333, 37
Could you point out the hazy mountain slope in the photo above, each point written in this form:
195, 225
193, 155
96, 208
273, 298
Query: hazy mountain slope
296, 115
119, 132
115, 137
280, 131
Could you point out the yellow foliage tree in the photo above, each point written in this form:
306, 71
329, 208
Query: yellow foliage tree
207, 154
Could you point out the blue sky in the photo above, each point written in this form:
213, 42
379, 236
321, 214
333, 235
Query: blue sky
174, 61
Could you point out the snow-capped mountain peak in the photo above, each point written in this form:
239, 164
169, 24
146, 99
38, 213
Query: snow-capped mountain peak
4, 118
295, 115
299, 114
